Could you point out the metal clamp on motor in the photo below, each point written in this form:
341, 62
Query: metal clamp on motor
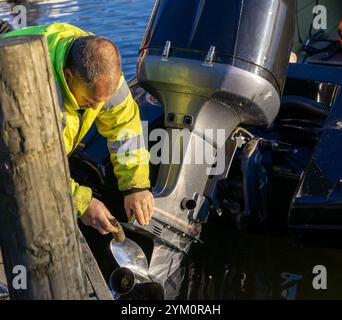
166, 51
210, 57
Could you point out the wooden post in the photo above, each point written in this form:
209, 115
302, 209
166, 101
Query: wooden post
37, 226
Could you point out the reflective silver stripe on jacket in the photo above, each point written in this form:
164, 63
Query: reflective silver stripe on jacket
61, 104
118, 97
122, 146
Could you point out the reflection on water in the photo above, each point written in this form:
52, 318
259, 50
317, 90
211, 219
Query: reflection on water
123, 21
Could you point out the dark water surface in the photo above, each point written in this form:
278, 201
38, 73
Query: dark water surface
123, 21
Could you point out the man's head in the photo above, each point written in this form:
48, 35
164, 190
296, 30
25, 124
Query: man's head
92, 70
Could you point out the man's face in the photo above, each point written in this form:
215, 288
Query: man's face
90, 97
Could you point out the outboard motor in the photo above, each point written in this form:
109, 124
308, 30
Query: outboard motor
213, 64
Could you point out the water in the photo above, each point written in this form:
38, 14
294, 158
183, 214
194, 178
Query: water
122, 21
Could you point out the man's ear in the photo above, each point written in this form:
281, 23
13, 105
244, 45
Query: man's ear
68, 75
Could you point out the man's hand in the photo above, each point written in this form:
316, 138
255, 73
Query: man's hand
98, 217
140, 204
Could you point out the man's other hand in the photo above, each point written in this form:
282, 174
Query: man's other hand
98, 217
140, 204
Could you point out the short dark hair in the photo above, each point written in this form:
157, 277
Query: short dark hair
93, 56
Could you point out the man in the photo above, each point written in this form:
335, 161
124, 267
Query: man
92, 88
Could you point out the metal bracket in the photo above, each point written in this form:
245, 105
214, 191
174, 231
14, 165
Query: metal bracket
210, 57
242, 136
166, 51
237, 140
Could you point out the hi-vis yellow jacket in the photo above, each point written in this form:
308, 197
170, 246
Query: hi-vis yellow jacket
118, 119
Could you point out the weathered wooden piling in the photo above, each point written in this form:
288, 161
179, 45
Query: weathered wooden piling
37, 226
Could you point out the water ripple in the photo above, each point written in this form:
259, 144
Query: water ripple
123, 21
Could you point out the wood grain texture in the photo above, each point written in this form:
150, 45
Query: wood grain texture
37, 226
3, 281
96, 285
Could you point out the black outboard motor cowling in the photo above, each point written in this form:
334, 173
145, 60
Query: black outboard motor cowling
255, 36
213, 64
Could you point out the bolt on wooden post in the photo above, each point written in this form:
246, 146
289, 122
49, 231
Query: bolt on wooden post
37, 224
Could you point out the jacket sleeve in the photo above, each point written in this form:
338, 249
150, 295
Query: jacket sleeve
81, 196
119, 122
